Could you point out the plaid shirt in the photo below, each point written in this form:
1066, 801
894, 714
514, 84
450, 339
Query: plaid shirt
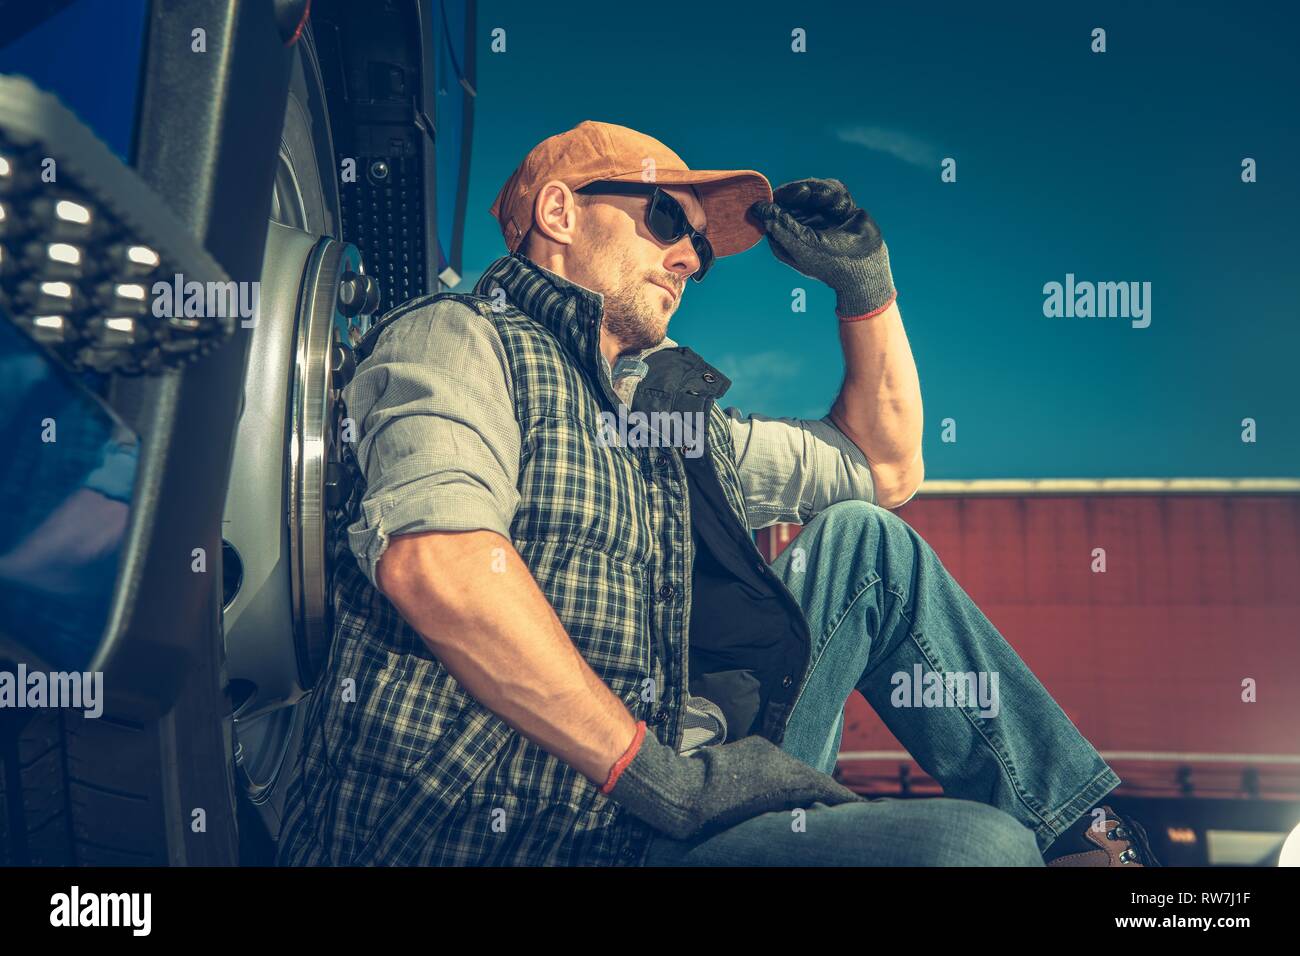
400, 765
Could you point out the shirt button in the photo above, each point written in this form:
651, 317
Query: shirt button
666, 592
787, 681
659, 717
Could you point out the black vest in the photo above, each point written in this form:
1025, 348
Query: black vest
747, 633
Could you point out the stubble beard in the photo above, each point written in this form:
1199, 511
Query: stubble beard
632, 317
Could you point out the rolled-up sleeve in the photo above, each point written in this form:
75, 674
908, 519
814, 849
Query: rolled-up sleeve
437, 436
792, 469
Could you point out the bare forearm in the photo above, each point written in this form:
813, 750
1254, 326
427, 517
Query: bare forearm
476, 604
879, 405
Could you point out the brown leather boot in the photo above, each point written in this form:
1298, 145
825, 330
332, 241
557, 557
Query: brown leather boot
1124, 843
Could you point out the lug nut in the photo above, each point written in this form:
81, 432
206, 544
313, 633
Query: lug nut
358, 294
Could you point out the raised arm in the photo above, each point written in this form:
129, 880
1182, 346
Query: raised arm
814, 226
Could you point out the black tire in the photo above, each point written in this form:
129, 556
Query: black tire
92, 792
113, 792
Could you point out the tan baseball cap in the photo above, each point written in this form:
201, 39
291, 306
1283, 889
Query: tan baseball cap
594, 151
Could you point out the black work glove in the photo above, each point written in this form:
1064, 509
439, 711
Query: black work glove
717, 787
814, 226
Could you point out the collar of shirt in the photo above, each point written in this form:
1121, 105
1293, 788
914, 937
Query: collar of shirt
572, 312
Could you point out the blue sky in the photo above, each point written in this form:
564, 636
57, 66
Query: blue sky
1122, 166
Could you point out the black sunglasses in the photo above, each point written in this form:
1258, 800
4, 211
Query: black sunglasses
665, 217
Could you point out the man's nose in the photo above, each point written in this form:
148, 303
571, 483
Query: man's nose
683, 258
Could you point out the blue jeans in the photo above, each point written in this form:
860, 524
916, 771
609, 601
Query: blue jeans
882, 610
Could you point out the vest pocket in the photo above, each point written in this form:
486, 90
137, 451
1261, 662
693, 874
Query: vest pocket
434, 786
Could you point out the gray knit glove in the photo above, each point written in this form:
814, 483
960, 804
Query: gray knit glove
814, 226
717, 787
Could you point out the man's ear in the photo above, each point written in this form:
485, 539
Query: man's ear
555, 212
